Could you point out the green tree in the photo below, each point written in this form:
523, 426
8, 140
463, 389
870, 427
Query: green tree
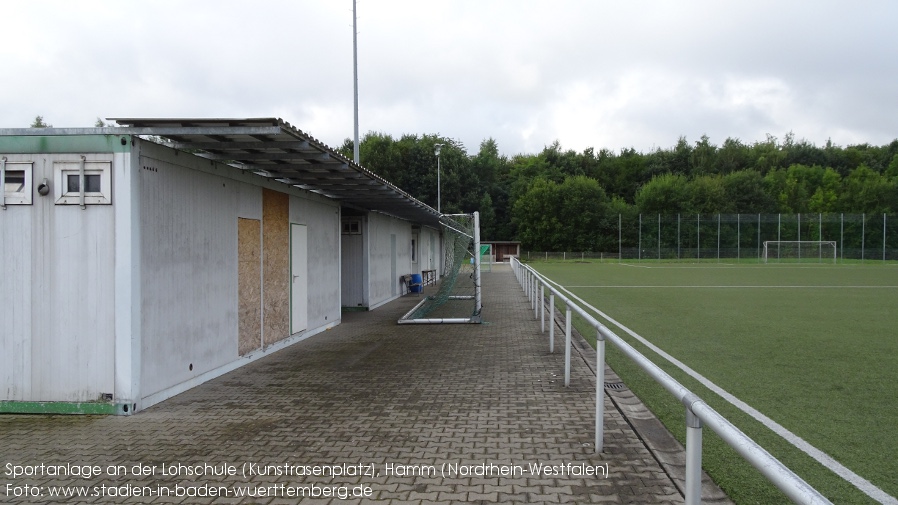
733, 156
665, 194
826, 196
582, 207
562, 217
744, 190
39, 123
536, 215
707, 195
867, 191
704, 157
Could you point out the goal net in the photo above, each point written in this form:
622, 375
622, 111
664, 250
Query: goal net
804, 251
458, 299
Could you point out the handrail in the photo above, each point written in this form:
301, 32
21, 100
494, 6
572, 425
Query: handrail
697, 411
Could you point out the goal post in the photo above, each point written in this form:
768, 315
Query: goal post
458, 298
800, 251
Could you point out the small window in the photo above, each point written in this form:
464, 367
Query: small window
97, 182
17, 183
352, 227
414, 248
91, 183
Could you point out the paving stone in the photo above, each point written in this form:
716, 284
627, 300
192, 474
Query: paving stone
372, 392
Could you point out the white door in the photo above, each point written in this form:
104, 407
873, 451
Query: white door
299, 286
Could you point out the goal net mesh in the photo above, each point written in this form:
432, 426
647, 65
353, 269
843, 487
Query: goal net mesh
809, 251
456, 297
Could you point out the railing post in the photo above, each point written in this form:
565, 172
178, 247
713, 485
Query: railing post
542, 308
536, 287
530, 289
551, 322
567, 345
693, 458
600, 391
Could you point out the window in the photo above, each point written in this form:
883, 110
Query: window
17, 187
352, 227
91, 183
414, 248
97, 182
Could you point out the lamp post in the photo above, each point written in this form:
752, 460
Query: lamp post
436, 150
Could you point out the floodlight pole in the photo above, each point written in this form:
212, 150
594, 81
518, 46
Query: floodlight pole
436, 150
355, 84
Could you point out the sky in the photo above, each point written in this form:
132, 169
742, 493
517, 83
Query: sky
586, 73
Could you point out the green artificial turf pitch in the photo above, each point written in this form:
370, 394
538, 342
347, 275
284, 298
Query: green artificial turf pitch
814, 347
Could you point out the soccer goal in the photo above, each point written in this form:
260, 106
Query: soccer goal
794, 251
458, 299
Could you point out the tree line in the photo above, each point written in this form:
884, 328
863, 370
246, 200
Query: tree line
560, 199
566, 200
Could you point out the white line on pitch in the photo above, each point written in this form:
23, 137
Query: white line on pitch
740, 287
824, 459
753, 266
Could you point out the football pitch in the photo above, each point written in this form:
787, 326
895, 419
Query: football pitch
812, 347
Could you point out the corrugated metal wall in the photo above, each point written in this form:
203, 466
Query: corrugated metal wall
57, 292
323, 221
383, 285
188, 229
190, 210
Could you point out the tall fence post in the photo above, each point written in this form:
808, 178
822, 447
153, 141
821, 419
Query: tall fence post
542, 308
863, 234
693, 458
698, 233
639, 248
567, 345
619, 238
600, 391
738, 237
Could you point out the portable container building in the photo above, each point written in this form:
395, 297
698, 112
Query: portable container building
142, 260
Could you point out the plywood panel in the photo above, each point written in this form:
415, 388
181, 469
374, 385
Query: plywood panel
249, 288
276, 265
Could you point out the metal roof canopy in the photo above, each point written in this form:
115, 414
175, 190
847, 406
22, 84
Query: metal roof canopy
272, 148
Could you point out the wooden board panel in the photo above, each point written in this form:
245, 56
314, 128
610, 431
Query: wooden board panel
276, 265
249, 287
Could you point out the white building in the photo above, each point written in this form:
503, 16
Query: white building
133, 270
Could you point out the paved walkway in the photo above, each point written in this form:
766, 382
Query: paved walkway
392, 410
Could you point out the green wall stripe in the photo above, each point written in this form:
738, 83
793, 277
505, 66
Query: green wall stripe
65, 144
100, 408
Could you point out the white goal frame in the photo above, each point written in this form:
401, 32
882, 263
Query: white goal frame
818, 248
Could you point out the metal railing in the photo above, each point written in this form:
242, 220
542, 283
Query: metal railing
698, 413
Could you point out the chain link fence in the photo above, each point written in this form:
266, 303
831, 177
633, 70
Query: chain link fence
741, 237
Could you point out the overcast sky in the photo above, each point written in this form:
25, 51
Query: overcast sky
586, 73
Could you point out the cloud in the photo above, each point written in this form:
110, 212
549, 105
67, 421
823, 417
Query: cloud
588, 74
